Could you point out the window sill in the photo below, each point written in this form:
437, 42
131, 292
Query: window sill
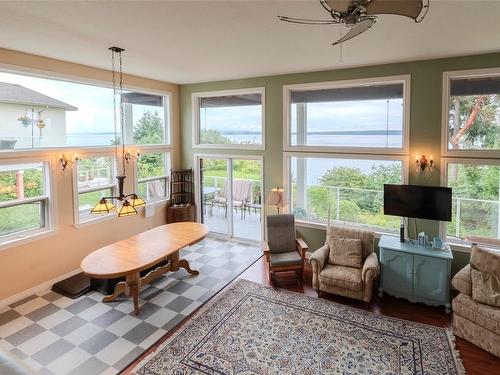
94, 220
27, 239
321, 226
260, 147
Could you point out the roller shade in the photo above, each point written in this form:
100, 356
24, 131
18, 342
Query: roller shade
143, 99
231, 101
475, 86
344, 94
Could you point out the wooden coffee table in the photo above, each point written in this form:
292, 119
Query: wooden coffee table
128, 257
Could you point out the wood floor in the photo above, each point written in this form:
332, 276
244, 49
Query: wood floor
475, 360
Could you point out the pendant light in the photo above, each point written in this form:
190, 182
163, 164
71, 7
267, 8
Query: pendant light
105, 205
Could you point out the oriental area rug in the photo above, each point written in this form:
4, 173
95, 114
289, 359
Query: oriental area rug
254, 329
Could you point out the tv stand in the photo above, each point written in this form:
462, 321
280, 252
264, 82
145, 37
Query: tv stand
414, 272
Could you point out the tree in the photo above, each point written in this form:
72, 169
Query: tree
149, 129
212, 136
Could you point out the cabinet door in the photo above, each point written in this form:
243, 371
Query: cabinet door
430, 278
397, 271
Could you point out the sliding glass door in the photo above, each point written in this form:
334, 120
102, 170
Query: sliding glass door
230, 196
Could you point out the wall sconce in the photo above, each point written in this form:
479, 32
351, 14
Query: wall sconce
64, 161
423, 163
129, 156
276, 198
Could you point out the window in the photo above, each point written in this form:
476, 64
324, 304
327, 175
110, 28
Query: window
475, 201
24, 200
153, 176
94, 180
355, 115
473, 112
352, 188
229, 118
40, 112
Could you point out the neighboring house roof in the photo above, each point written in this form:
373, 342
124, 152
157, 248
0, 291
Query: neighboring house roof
17, 94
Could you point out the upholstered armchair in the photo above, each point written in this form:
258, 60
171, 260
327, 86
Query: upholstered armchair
283, 251
346, 265
476, 310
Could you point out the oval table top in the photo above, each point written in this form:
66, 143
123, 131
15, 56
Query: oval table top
139, 252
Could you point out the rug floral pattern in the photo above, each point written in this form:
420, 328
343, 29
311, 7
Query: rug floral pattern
253, 329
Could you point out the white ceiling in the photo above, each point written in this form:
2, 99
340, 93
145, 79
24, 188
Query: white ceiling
195, 41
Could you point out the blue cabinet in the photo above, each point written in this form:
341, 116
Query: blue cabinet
417, 273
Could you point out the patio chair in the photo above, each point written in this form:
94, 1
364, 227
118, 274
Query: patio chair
242, 195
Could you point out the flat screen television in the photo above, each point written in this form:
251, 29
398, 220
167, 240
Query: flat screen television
421, 202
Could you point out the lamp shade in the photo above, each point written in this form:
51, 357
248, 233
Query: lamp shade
276, 198
102, 207
127, 210
137, 201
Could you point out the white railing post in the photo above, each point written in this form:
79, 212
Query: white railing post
457, 219
338, 204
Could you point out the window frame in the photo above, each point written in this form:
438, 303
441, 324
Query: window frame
167, 97
195, 110
24, 236
168, 167
447, 77
311, 224
404, 79
88, 219
458, 243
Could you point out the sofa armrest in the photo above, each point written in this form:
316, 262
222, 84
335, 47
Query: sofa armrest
319, 258
266, 250
301, 247
371, 264
462, 281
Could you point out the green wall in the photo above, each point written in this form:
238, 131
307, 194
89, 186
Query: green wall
425, 120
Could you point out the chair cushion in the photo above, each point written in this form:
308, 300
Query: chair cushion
484, 260
485, 288
482, 315
345, 252
341, 276
281, 233
462, 281
345, 231
285, 259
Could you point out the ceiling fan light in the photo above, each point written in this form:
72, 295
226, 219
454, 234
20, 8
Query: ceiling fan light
137, 201
102, 207
127, 209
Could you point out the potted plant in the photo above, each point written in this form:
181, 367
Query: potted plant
25, 120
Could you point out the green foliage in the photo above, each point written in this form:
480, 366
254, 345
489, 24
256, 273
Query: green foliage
150, 165
212, 137
149, 129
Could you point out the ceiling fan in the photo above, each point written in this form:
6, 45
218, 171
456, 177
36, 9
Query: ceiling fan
360, 15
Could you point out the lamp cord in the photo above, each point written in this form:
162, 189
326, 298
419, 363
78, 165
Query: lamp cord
115, 120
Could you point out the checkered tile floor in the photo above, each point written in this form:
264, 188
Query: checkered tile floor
57, 335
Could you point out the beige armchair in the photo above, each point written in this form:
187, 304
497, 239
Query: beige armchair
473, 320
353, 282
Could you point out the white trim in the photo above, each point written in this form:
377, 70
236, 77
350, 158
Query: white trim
447, 77
168, 168
286, 179
195, 112
228, 157
36, 289
404, 79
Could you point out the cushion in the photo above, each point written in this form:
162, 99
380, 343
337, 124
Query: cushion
347, 231
483, 315
462, 281
485, 288
281, 233
341, 276
345, 252
485, 260
286, 259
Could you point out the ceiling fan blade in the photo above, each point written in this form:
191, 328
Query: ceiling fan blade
304, 21
414, 9
357, 28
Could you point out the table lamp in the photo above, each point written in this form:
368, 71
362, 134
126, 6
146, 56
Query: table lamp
276, 198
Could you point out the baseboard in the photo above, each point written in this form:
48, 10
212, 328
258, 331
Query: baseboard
36, 289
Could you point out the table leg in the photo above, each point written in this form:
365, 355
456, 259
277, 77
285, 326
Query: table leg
183, 263
133, 283
175, 264
120, 288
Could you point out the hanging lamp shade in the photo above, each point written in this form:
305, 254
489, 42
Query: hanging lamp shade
137, 201
102, 207
127, 209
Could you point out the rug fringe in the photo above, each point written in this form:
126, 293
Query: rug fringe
455, 352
